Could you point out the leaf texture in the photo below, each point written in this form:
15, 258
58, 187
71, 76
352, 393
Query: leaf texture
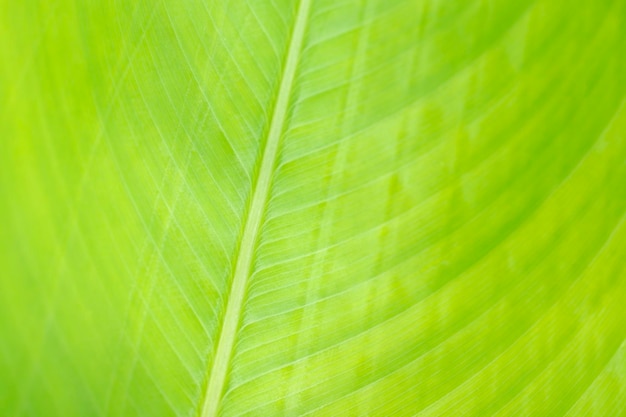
312, 208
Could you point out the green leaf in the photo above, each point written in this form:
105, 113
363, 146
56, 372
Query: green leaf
312, 207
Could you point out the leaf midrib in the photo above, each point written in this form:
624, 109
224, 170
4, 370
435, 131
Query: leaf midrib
245, 255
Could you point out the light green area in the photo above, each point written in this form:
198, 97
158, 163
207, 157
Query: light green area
313, 207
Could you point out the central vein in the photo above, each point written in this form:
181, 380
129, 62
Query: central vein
228, 334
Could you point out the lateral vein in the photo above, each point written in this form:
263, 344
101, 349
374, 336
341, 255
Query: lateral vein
228, 333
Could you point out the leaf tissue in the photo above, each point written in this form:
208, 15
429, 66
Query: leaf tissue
312, 208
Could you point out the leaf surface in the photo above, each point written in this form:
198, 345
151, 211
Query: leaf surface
312, 207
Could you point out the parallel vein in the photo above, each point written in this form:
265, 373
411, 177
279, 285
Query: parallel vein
219, 370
